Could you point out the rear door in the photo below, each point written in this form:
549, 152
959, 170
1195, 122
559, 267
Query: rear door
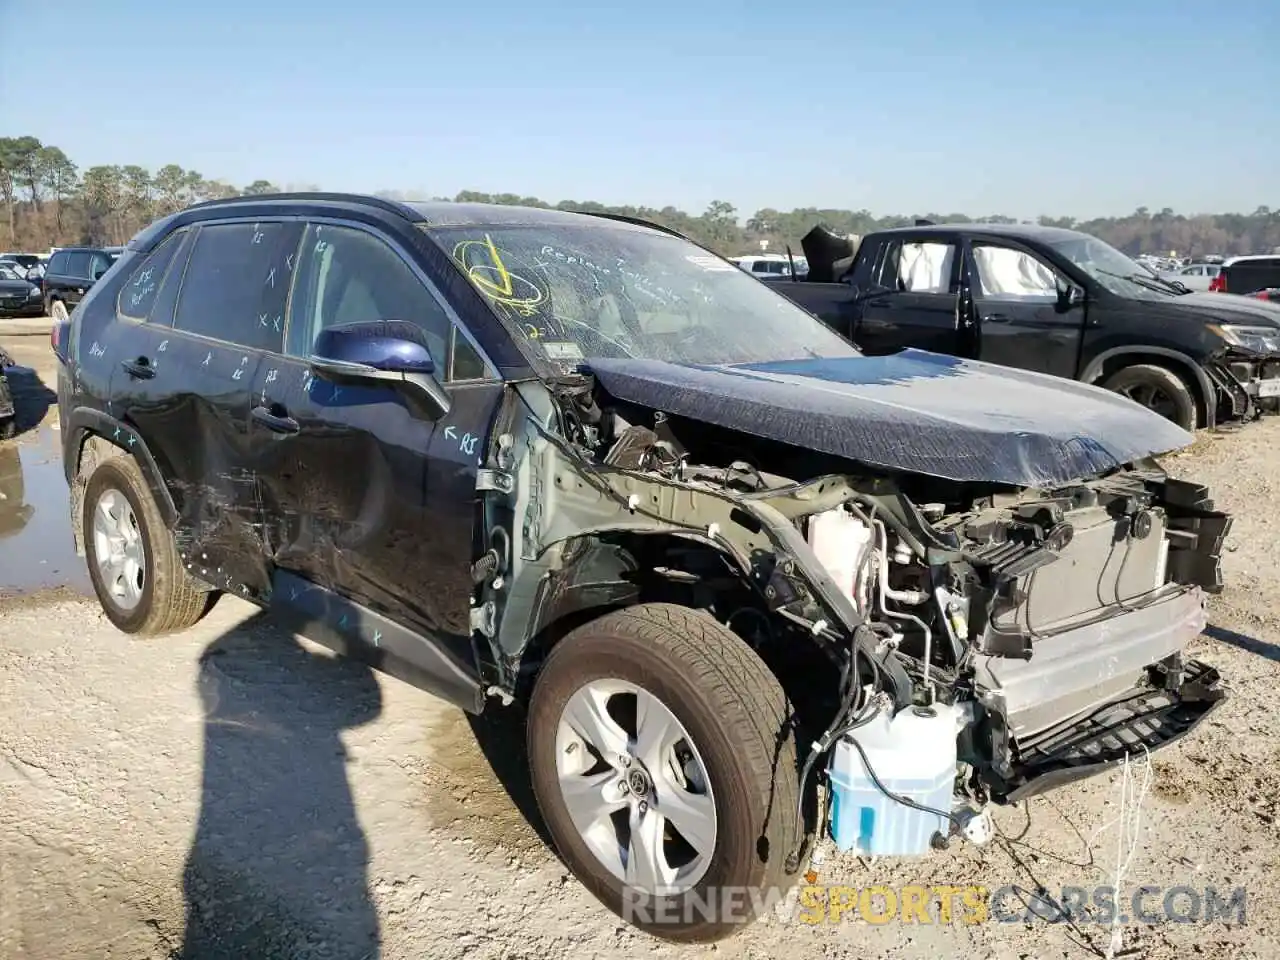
1021, 317
225, 301
363, 497
919, 305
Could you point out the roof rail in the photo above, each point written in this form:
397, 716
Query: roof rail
636, 221
390, 206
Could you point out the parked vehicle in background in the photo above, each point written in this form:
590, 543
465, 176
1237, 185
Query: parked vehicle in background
71, 273
766, 265
1271, 294
28, 266
19, 297
582, 462
1058, 302
1195, 276
1247, 274
28, 261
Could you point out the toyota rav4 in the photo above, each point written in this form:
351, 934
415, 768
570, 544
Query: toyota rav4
751, 585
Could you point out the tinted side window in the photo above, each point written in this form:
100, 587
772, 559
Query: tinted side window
99, 263
230, 268
916, 267
139, 293
77, 264
58, 263
467, 364
346, 275
1008, 274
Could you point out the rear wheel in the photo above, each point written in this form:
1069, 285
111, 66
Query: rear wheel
1159, 390
133, 562
663, 760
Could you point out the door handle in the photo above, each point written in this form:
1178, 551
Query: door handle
996, 318
139, 369
275, 422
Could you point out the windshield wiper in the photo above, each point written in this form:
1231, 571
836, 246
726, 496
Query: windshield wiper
1150, 282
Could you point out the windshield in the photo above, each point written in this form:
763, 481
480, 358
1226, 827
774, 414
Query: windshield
8, 273
1112, 269
577, 291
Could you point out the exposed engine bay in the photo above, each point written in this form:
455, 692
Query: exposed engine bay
1046, 626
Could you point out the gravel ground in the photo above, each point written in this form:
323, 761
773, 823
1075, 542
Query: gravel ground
237, 792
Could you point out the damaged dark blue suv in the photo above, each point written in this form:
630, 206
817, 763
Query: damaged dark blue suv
732, 567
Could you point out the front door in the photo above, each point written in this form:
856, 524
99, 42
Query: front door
918, 302
363, 497
1022, 318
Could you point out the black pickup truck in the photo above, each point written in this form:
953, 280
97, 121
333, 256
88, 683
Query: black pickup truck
1052, 301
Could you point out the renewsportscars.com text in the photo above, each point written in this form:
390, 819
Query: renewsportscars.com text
944, 904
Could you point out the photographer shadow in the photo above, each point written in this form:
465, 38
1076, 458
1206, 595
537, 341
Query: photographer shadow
278, 864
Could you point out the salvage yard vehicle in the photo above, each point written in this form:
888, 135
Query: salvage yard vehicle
72, 271
750, 584
19, 297
1248, 273
1052, 301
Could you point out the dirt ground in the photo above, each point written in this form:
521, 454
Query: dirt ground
236, 792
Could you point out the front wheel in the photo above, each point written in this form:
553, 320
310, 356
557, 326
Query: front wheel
1159, 390
58, 311
663, 759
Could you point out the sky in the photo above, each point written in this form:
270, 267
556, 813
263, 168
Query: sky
1077, 108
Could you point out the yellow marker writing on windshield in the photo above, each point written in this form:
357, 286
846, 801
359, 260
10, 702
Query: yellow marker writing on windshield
505, 289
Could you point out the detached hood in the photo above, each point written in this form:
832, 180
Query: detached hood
914, 411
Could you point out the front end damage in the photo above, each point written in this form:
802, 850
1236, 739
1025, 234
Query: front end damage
1248, 385
1245, 369
1046, 627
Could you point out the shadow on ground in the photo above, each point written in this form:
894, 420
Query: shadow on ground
1263, 648
500, 734
278, 864
32, 398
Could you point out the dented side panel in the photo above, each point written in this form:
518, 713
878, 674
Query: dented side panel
193, 415
371, 501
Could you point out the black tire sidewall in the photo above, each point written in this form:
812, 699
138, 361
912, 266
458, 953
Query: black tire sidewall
110, 476
1170, 383
736, 861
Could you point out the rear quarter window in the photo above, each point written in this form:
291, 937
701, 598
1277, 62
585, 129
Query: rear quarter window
139, 294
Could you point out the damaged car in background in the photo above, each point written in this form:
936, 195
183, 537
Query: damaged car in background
752, 586
1051, 300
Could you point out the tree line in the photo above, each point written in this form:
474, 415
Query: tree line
48, 201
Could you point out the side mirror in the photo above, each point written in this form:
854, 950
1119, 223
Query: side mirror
391, 353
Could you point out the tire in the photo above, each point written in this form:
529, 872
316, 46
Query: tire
738, 725
1175, 400
58, 311
168, 599
8, 428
